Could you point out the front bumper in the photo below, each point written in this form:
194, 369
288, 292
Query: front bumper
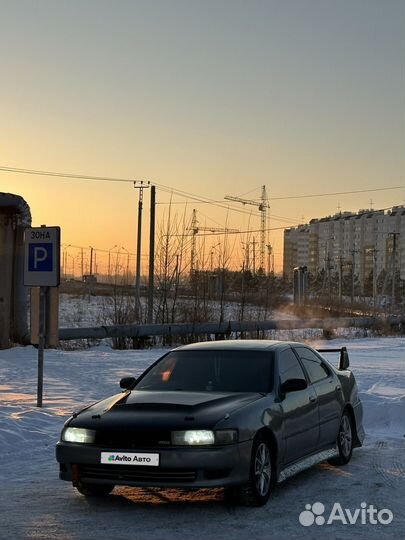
179, 467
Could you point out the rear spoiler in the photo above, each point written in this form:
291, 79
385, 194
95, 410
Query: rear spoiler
343, 358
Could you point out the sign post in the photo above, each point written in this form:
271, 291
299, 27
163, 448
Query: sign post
41, 343
42, 269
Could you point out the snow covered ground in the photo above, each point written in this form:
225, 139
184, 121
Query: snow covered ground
34, 504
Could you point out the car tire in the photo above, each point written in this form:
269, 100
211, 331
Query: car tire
344, 441
256, 491
94, 490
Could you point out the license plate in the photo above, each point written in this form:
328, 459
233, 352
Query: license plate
133, 458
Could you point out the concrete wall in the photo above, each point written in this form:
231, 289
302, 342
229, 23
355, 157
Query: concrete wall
15, 215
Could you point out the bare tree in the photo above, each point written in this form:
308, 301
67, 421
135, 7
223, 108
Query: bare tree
171, 249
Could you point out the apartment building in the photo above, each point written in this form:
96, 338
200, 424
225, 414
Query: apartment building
368, 240
296, 249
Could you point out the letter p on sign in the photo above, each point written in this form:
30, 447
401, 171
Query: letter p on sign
40, 257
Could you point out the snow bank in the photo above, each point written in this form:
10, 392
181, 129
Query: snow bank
379, 367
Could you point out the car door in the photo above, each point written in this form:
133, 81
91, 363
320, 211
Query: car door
328, 392
300, 424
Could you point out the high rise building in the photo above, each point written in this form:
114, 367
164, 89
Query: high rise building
372, 241
296, 249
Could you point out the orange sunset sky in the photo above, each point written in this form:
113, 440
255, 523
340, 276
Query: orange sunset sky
212, 98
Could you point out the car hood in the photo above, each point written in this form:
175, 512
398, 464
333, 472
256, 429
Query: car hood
173, 410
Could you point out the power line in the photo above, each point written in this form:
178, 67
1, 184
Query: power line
334, 193
190, 196
195, 198
168, 189
250, 191
162, 187
65, 175
201, 198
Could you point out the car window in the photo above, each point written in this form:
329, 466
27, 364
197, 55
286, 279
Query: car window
211, 371
289, 366
316, 369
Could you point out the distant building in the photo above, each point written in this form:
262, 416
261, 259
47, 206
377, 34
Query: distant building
296, 249
368, 241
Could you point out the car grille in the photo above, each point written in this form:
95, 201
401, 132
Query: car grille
138, 438
135, 474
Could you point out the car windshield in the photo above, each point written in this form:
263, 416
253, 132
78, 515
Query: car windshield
211, 371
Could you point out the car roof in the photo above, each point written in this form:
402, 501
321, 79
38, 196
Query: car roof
237, 345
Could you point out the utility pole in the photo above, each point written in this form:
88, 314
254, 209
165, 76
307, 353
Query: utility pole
394, 265
109, 262
353, 252
327, 278
325, 274
248, 256
375, 251
269, 255
151, 253
391, 268
194, 232
125, 271
340, 278
141, 187
91, 261
254, 255
328, 269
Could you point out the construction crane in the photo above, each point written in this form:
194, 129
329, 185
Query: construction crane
263, 205
195, 230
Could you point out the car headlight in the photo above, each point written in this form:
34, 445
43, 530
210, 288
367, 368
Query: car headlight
78, 435
204, 437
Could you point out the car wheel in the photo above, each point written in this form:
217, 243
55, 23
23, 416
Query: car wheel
261, 476
94, 490
344, 441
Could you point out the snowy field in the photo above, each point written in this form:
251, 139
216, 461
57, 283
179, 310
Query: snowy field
35, 504
87, 310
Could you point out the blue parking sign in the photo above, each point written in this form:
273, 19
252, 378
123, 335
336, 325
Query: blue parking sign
40, 257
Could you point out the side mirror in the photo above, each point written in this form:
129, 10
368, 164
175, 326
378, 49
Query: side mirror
293, 385
127, 383
344, 359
